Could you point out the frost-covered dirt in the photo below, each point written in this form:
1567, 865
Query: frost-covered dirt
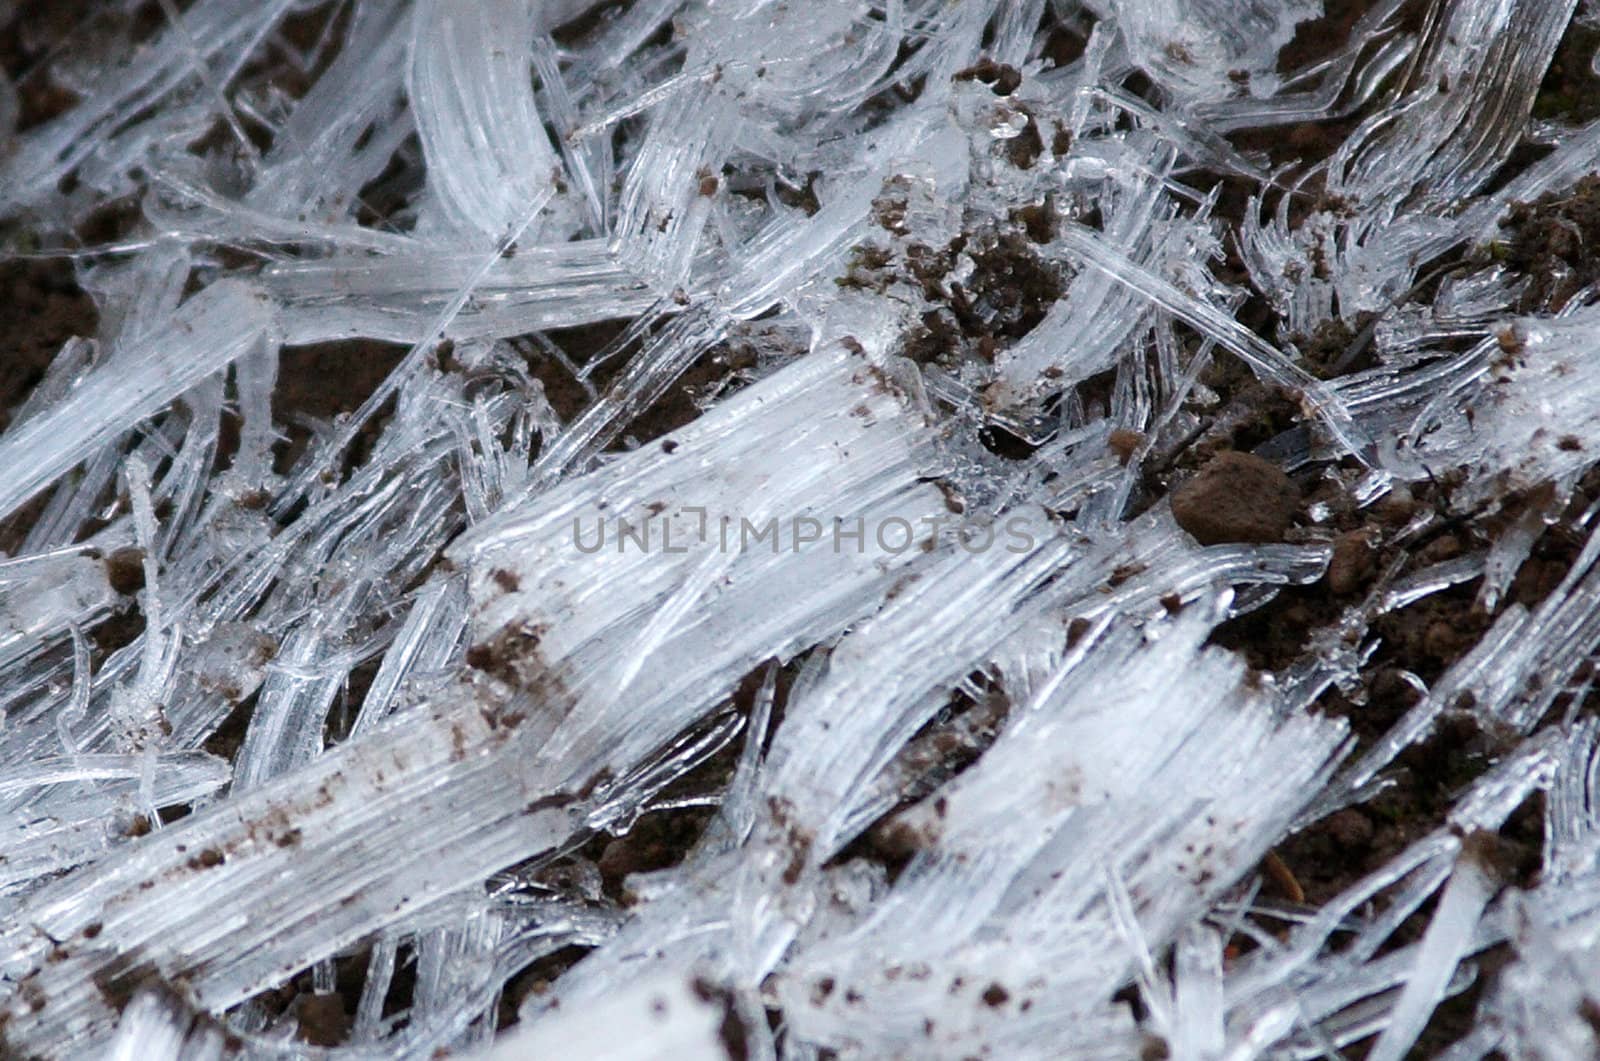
762, 528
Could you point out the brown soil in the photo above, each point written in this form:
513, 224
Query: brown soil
1551, 241
1236, 497
41, 307
1248, 413
1318, 38
536, 979
706, 379
1423, 639
1007, 294
581, 345
657, 841
1332, 349
36, 31
661, 839
1314, 41
945, 747
327, 379
323, 1019
1570, 91
324, 381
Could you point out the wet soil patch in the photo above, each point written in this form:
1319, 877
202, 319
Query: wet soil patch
1570, 91
41, 307
1551, 241
324, 381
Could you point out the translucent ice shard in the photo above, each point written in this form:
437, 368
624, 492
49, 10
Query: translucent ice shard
212, 330
1449, 934
1000, 848
657, 519
555, 713
603, 592
157, 1026
491, 162
1203, 51
668, 1017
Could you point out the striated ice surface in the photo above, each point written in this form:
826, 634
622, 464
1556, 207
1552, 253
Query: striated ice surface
671, 528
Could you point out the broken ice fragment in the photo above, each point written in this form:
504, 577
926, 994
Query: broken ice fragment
666, 1016
215, 327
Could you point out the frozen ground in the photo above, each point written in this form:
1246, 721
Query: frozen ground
799, 528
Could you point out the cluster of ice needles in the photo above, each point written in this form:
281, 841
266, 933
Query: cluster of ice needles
802, 529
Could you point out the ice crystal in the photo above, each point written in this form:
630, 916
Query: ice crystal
647, 529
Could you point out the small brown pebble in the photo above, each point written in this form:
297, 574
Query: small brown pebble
1445, 547
445, 356
1123, 572
1236, 497
1154, 1048
1076, 629
1125, 443
995, 995
1352, 562
323, 1021
1396, 510
207, 859
125, 570
1350, 828
897, 840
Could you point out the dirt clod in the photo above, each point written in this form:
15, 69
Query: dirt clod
1352, 563
995, 995
323, 1020
1551, 240
1236, 497
1001, 78
1124, 443
125, 570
